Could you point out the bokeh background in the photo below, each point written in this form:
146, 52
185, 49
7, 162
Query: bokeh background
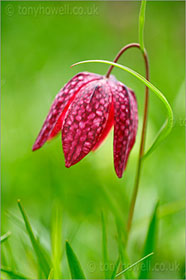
40, 40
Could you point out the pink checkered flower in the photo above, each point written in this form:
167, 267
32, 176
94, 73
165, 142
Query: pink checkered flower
84, 111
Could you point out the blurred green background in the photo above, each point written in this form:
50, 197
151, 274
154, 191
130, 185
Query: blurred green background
40, 40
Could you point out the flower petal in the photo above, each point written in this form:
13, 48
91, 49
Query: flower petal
125, 126
134, 117
85, 120
107, 128
53, 122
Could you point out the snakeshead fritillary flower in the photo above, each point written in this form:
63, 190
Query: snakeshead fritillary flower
84, 111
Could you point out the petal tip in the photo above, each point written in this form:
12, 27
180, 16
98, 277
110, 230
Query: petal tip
68, 164
35, 147
119, 174
119, 171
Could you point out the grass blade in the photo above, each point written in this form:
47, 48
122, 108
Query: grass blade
56, 239
141, 24
104, 247
5, 236
115, 269
51, 274
12, 274
39, 253
167, 126
149, 244
122, 251
132, 265
74, 264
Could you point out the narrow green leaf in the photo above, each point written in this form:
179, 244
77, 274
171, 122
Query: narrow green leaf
122, 251
74, 264
39, 253
171, 208
167, 126
8, 252
163, 211
104, 247
51, 274
5, 236
132, 265
115, 269
13, 274
56, 239
149, 244
141, 24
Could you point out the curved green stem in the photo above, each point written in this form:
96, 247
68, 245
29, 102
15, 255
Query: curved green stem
141, 24
142, 147
129, 46
167, 126
144, 128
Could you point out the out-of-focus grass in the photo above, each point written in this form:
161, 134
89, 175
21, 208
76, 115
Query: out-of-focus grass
37, 51
51, 269
150, 244
74, 265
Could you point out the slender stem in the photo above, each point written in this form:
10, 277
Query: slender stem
142, 146
120, 53
143, 133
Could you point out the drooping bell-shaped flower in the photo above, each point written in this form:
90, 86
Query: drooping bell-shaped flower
84, 111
